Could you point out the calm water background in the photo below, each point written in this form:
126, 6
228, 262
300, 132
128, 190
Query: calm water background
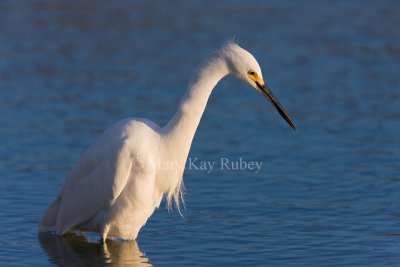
328, 195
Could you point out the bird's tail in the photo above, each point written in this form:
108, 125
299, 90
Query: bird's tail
49, 219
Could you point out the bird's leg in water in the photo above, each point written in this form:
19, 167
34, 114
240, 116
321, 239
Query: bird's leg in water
105, 232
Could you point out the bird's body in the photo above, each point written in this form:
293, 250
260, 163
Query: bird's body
121, 179
114, 181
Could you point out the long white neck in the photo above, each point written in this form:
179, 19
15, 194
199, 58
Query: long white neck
180, 130
178, 133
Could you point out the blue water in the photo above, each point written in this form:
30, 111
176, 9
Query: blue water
327, 195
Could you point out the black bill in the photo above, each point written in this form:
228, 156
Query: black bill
268, 94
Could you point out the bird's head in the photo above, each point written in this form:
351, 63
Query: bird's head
244, 66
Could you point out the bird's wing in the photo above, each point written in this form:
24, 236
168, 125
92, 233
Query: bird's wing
95, 184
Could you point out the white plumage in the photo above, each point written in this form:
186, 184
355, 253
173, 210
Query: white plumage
120, 180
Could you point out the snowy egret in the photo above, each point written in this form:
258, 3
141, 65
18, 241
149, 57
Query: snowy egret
118, 182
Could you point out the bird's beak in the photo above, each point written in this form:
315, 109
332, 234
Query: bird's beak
263, 88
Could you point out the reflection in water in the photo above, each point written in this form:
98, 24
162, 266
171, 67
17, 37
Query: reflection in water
76, 250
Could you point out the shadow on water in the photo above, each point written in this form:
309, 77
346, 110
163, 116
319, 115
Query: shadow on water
76, 250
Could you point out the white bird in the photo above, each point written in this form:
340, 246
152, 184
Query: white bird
120, 180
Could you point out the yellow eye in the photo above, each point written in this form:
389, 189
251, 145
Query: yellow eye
251, 73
